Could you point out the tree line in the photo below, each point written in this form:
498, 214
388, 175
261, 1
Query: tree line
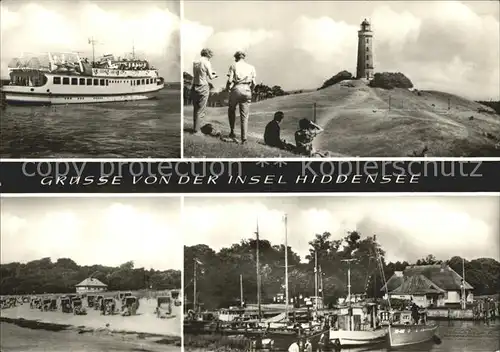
44, 276
220, 97
218, 273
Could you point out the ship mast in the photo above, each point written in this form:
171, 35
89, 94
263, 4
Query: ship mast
286, 267
241, 291
349, 261
463, 284
194, 286
258, 272
93, 42
316, 281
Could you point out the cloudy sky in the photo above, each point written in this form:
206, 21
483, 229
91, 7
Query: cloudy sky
408, 228
450, 46
42, 26
107, 231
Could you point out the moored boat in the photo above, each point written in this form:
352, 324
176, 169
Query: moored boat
66, 78
358, 338
403, 333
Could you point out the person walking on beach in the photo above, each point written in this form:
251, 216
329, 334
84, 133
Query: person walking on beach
240, 84
200, 91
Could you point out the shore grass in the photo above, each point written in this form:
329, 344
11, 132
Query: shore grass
361, 121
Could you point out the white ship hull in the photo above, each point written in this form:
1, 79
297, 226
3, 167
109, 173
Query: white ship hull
72, 89
358, 338
45, 99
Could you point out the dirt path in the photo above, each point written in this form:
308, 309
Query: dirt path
358, 97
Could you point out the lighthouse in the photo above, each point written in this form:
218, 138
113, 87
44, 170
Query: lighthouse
364, 69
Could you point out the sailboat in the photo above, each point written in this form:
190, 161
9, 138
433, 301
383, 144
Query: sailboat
356, 334
401, 328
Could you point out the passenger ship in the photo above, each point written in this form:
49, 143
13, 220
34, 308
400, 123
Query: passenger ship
65, 78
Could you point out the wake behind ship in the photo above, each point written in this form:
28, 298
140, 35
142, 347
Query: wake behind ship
65, 78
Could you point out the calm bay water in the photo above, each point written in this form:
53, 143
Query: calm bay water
455, 336
140, 129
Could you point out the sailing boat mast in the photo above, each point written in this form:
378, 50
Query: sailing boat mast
463, 284
286, 267
194, 287
348, 261
241, 290
258, 272
316, 281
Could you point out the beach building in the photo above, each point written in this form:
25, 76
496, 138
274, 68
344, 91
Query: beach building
91, 285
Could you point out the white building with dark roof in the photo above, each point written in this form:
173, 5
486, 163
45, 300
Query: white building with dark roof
91, 285
435, 285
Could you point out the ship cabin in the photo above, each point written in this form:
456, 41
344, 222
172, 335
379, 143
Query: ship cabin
403, 317
362, 317
27, 78
230, 314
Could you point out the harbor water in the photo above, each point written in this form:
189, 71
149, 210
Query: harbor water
137, 129
453, 336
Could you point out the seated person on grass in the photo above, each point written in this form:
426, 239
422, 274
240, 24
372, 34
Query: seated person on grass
304, 138
272, 134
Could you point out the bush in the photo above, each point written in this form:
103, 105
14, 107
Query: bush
390, 80
339, 77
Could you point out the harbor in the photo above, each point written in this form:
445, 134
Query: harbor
359, 303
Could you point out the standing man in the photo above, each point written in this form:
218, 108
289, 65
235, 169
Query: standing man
202, 74
240, 84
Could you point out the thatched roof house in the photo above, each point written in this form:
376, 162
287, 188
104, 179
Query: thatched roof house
439, 283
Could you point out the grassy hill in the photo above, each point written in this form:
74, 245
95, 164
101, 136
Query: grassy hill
358, 122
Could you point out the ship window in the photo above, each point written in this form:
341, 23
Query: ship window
74, 81
56, 80
367, 49
367, 41
367, 65
368, 57
138, 82
143, 81
102, 82
89, 81
107, 83
65, 80
82, 81
96, 82
148, 81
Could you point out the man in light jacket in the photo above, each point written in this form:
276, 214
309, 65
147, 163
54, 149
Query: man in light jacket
240, 83
200, 91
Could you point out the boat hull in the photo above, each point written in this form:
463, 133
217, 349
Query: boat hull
404, 335
64, 99
358, 338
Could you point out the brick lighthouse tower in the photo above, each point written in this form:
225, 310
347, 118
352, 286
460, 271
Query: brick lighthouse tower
364, 69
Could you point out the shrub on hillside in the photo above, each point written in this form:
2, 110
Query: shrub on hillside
390, 80
495, 105
339, 77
